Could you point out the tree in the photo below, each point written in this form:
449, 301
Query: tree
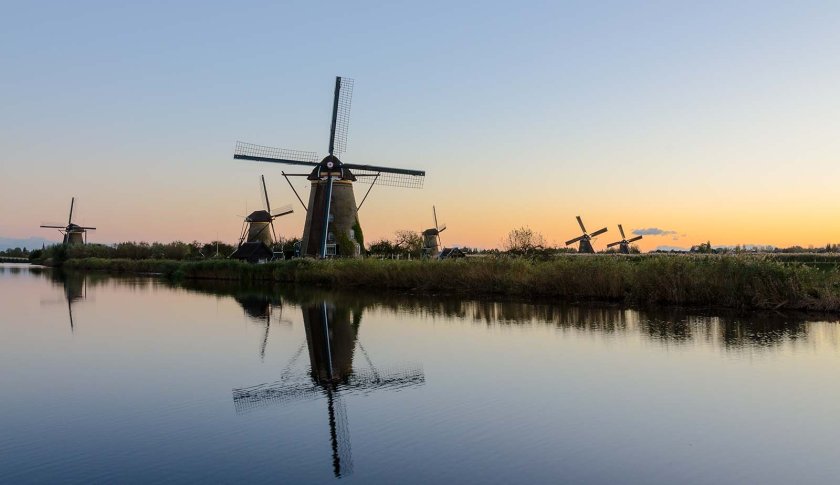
523, 240
382, 247
409, 242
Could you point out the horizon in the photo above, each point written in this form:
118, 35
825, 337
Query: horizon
706, 123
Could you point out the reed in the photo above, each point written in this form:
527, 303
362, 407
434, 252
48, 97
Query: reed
710, 281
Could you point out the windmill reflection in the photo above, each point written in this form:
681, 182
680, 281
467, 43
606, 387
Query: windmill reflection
331, 338
75, 290
260, 307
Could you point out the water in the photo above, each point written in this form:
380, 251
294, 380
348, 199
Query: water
134, 380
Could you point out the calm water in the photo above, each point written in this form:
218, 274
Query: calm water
134, 380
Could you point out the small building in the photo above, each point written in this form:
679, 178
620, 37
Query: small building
253, 252
451, 253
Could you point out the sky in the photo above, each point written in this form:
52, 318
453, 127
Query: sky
703, 120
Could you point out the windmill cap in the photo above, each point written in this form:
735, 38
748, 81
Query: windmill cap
431, 232
331, 158
259, 216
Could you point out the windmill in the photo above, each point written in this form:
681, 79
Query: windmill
331, 337
73, 233
586, 238
256, 240
624, 244
431, 238
332, 222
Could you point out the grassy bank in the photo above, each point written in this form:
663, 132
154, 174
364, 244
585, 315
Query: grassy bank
714, 281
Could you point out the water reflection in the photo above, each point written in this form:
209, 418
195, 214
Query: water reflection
729, 330
73, 286
509, 391
331, 339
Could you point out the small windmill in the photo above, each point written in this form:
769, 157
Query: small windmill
431, 238
586, 238
256, 240
332, 222
73, 233
624, 244
331, 336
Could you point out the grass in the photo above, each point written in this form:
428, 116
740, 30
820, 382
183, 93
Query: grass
743, 282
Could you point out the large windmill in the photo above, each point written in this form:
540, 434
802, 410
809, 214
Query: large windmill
586, 238
73, 233
258, 235
624, 244
332, 222
331, 336
431, 238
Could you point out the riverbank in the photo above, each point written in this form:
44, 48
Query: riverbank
714, 281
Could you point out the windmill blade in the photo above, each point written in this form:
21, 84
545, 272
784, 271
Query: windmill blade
53, 226
621, 230
273, 233
634, 239
442, 228
259, 153
286, 209
72, 203
391, 177
341, 114
265, 194
580, 223
339, 434
434, 214
599, 231
613, 244
250, 398
575, 240
87, 228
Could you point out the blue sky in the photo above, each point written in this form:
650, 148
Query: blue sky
715, 120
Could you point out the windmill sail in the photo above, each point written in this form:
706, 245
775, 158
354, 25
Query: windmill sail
260, 153
341, 115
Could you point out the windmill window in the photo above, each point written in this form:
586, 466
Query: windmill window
330, 237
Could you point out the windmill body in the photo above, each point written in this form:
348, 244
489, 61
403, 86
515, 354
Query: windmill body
624, 244
585, 240
73, 233
332, 225
343, 230
258, 228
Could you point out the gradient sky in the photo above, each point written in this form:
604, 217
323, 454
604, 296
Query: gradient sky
716, 121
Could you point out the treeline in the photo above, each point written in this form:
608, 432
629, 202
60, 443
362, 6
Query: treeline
176, 251
15, 253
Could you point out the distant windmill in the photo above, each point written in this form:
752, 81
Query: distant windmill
73, 233
586, 238
624, 244
332, 222
256, 239
331, 336
431, 238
